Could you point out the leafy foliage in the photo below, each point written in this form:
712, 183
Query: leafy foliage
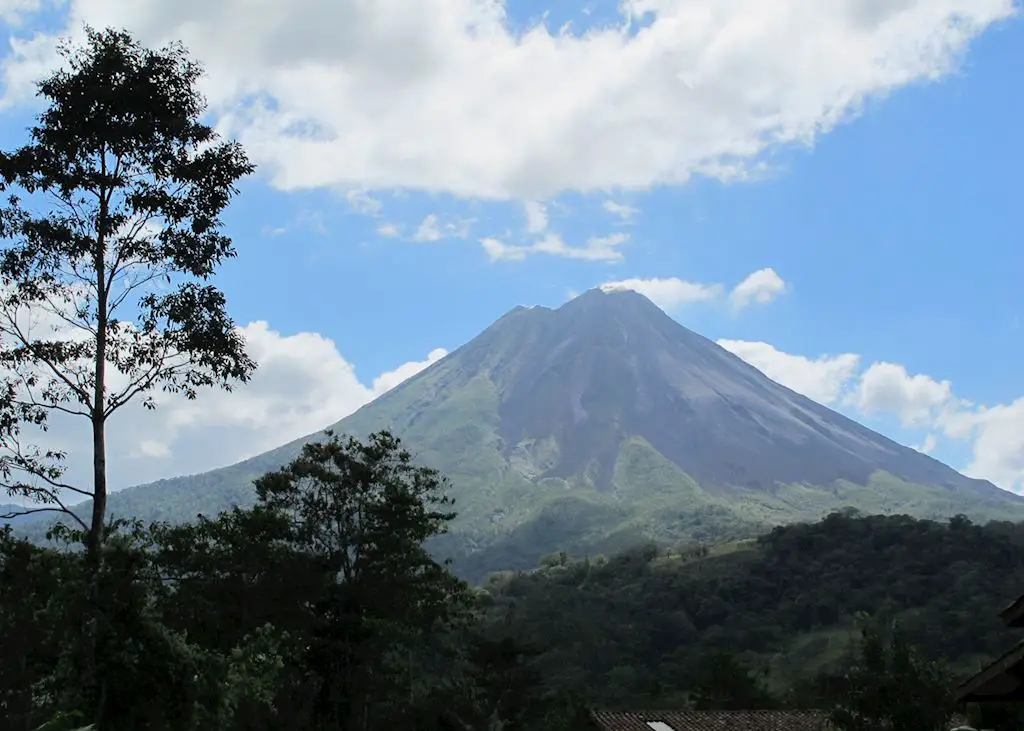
636, 629
319, 608
113, 219
891, 687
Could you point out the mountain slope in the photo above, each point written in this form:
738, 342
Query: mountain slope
786, 603
605, 422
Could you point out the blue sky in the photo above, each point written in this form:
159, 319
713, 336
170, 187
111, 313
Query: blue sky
868, 154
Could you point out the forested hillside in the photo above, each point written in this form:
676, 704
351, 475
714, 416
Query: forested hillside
636, 628
321, 603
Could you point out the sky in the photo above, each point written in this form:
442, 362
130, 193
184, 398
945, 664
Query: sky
830, 190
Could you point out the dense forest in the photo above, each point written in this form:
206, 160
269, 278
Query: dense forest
635, 629
319, 608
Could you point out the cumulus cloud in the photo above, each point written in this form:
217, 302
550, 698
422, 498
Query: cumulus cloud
668, 292
361, 202
917, 399
303, 384
12, 11
761, 287
443, 95
389, 379
625, 212
431, 229
928, 445
995, 434
998, 442
536, 216
428, 230
597, 248
822, 379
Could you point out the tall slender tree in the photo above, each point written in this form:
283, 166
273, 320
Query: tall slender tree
112, 234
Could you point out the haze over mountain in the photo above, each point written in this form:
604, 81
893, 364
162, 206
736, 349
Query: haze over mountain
605, 422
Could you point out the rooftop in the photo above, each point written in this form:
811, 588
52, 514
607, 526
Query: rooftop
709, 720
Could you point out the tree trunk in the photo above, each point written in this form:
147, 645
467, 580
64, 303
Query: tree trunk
95, 678
99, 474
94, 681
99, 418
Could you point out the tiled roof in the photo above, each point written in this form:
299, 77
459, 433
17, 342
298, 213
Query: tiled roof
710, 720
719, 720
1013, 615
996, 681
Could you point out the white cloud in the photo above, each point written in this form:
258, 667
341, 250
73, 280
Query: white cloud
498, 250
995, 434
12, 11
822, 379
428, 230
597, 248
918, 400
998, 442
361, 202
622, 210
761, 287
441, 95
536, 216
431, 229
929, 444
668, 292
303, 384
389, 379
388, 230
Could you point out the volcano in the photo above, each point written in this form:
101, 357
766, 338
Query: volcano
603, 423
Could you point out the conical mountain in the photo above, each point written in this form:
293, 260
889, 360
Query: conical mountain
605, 422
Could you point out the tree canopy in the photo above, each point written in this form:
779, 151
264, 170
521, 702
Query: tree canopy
112, 233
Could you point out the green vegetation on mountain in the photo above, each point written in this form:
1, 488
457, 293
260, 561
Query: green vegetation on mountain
506, 521
636, 627
319, 608
558, 432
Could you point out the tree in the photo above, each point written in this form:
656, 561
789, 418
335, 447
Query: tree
501, 690
891, 687
114, 230
723, 684
235, 574
36, 586
365, 510
995, 716
235, 578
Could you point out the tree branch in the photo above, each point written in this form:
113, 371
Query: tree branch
144, 382
16, 331
54, 484
30, 511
